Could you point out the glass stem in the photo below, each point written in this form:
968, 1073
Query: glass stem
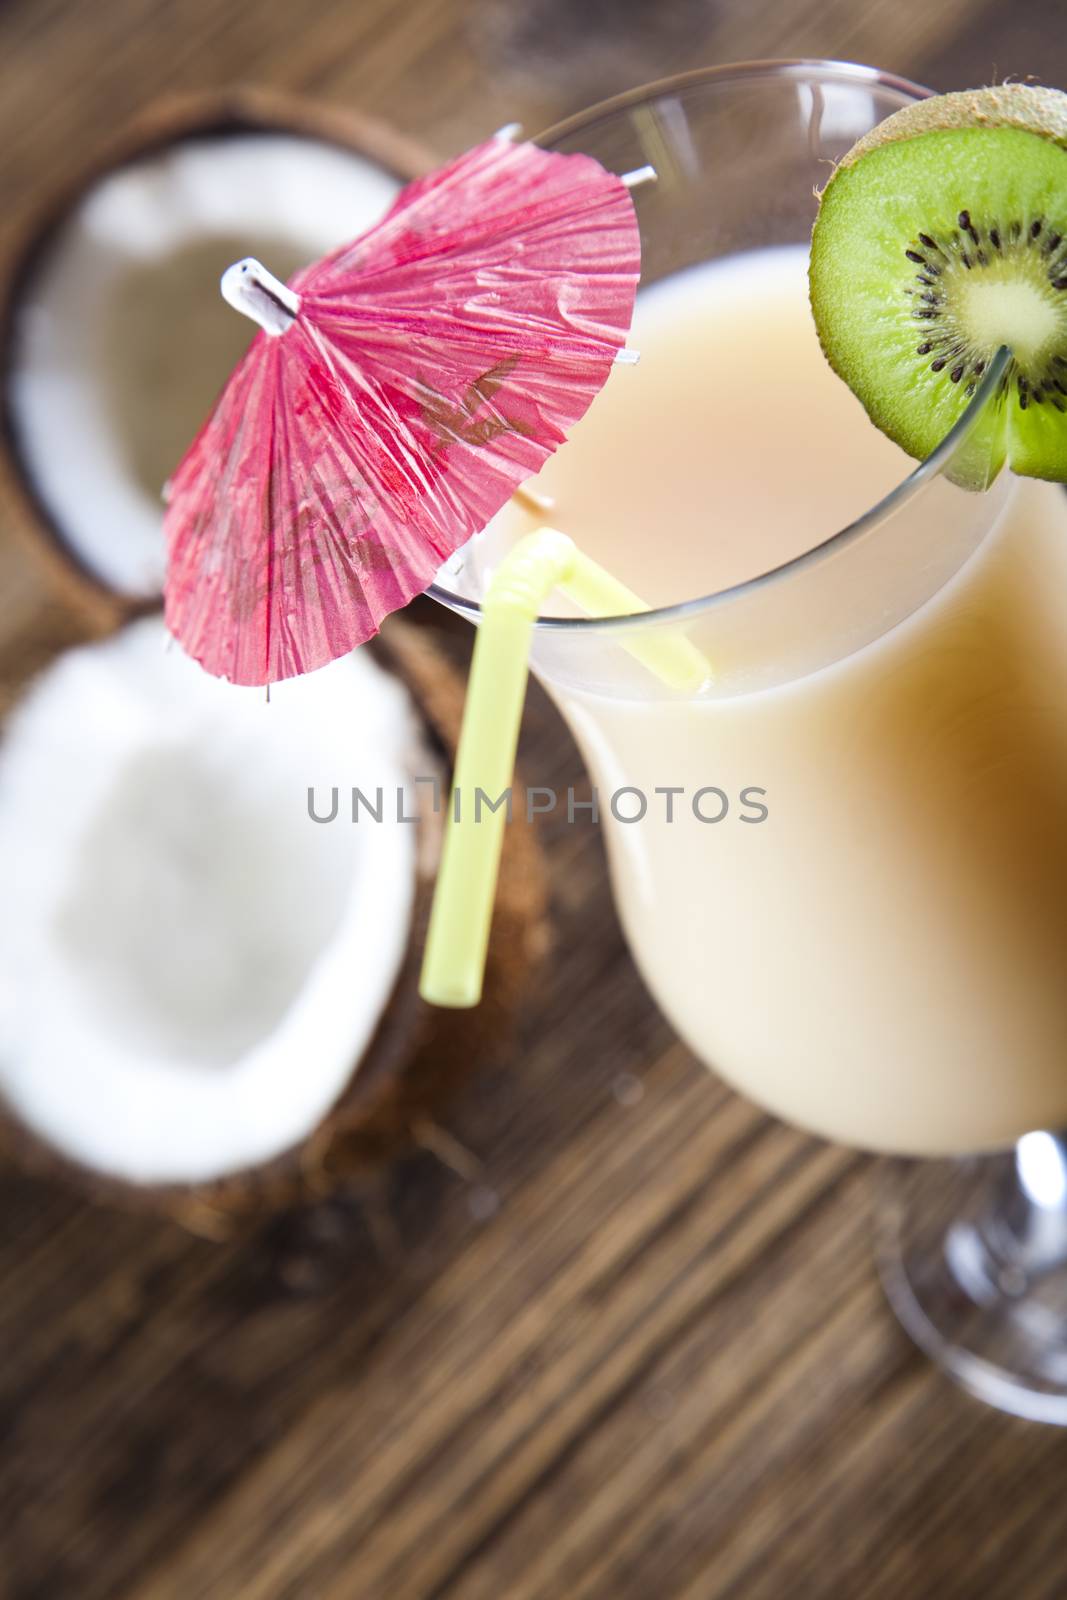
1028, 1218
973, 1256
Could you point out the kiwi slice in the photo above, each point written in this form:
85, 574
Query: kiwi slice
941, 237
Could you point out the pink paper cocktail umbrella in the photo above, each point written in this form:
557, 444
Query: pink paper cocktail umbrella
399, 392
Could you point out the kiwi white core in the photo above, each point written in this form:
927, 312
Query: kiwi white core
193, 967
1024, 315
122, 340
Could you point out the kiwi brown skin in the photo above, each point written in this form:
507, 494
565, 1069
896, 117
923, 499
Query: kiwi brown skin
1029, 107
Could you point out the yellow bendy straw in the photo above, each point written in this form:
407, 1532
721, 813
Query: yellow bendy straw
458, 937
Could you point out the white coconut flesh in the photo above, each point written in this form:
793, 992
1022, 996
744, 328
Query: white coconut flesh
191, 966
122, 340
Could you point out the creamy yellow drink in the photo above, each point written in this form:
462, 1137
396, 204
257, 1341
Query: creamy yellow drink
883, 957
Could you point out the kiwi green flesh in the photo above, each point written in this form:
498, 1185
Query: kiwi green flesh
928, 255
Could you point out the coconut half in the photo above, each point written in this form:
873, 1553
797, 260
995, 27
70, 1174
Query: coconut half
191, 965
208, 1001
115, 338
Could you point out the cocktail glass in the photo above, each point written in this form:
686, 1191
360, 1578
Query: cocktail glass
883, 959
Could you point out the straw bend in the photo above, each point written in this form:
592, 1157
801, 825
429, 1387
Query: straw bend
537, 563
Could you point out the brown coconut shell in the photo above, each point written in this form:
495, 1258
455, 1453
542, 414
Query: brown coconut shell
419, 1056
168, 121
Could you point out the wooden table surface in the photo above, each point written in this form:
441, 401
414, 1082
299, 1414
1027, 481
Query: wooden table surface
636, 1349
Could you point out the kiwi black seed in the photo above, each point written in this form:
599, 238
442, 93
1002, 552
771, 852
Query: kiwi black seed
940, 239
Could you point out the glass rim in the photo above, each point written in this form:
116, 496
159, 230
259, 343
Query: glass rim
901, 493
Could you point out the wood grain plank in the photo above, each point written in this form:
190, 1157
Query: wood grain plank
547, 1366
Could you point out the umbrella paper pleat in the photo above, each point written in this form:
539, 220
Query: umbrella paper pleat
403, 388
